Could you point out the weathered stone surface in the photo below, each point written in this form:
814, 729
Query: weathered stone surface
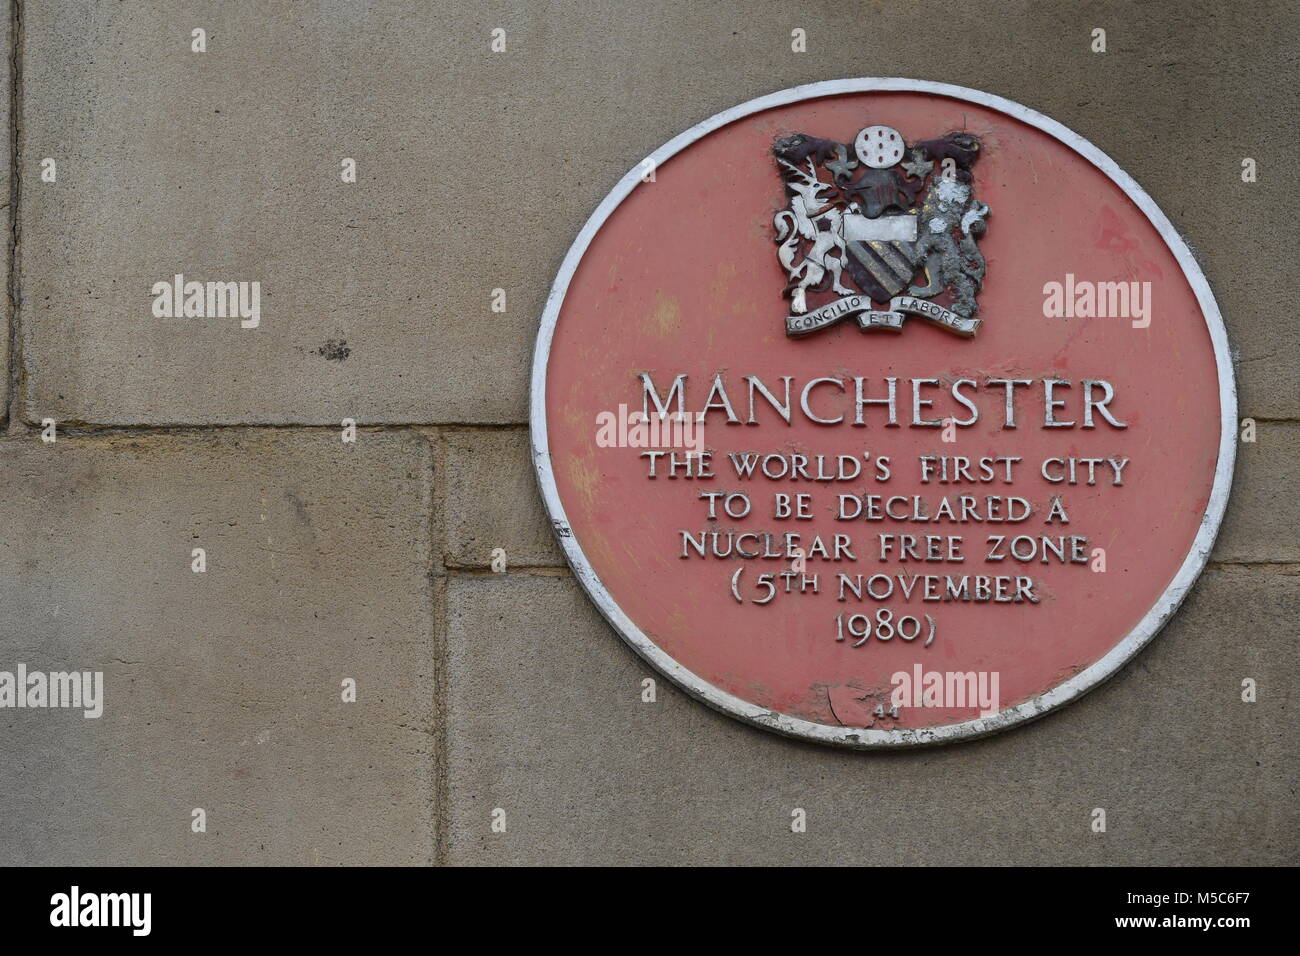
6, 50
492, 501
477, 169
1264, 511
222, 689
550, 726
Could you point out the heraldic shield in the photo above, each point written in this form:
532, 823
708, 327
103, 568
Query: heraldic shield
898, 222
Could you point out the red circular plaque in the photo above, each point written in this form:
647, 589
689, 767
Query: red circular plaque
939, 434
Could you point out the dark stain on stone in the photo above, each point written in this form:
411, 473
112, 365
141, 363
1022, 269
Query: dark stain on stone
335, 350
299, 508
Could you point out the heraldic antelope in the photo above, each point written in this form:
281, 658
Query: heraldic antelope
812, 218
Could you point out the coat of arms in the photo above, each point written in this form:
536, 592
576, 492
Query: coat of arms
881, 222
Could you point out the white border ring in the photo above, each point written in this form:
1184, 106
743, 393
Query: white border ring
863, 738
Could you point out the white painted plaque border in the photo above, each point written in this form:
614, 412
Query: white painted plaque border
863, 738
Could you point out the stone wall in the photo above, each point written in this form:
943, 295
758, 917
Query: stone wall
370, 560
